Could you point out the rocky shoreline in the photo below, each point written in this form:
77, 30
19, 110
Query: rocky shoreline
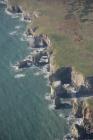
65, 82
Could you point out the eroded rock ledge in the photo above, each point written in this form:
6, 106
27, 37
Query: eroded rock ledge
69, 84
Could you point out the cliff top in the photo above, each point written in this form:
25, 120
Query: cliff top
69, 26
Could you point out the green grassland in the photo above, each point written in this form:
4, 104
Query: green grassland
90, 102
70, 31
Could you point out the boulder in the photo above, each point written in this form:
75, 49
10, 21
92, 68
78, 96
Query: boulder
24, 64
15, 9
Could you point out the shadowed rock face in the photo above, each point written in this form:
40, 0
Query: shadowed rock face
90, 81
82, 133
40, 42
63, 74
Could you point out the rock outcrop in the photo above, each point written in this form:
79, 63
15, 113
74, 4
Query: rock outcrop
77, 108
84, 130
15, 9
77, 78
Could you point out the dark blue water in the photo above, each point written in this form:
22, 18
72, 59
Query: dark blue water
24, 113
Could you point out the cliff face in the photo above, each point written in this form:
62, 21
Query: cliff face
68, 75
84, 130
77, 108
77, 78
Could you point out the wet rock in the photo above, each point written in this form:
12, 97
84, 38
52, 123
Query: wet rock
29, 32
41, 58
39, 43
27, 17
15, 9
24, 64
57, 103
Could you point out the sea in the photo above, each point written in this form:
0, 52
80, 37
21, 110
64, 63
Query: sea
25, 114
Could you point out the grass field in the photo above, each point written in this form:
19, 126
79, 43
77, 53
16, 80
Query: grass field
69, 26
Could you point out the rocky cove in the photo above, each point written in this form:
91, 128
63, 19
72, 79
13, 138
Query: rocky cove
65, 83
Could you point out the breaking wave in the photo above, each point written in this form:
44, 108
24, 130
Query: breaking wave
17, 76
12, 33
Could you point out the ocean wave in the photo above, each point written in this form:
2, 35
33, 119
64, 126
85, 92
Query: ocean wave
12, 33
7, 12
17, 27
14, 16
3, 2
51, 107
22, 39
47, 84
46, 75
29, 39
17, 76
37, 73
61, 115
47, 97
15, 68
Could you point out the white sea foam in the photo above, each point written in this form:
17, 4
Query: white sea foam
4, 2
22, 39
7, 12
17, 27
47, 84
12, 33
47, 97
15, 68
51, 107
24, 34
61, 115
15, 16
68, 137
19, 75
37, 73
46, 75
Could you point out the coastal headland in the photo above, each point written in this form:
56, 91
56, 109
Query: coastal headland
61, 40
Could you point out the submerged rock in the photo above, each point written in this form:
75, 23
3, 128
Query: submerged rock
24, 64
